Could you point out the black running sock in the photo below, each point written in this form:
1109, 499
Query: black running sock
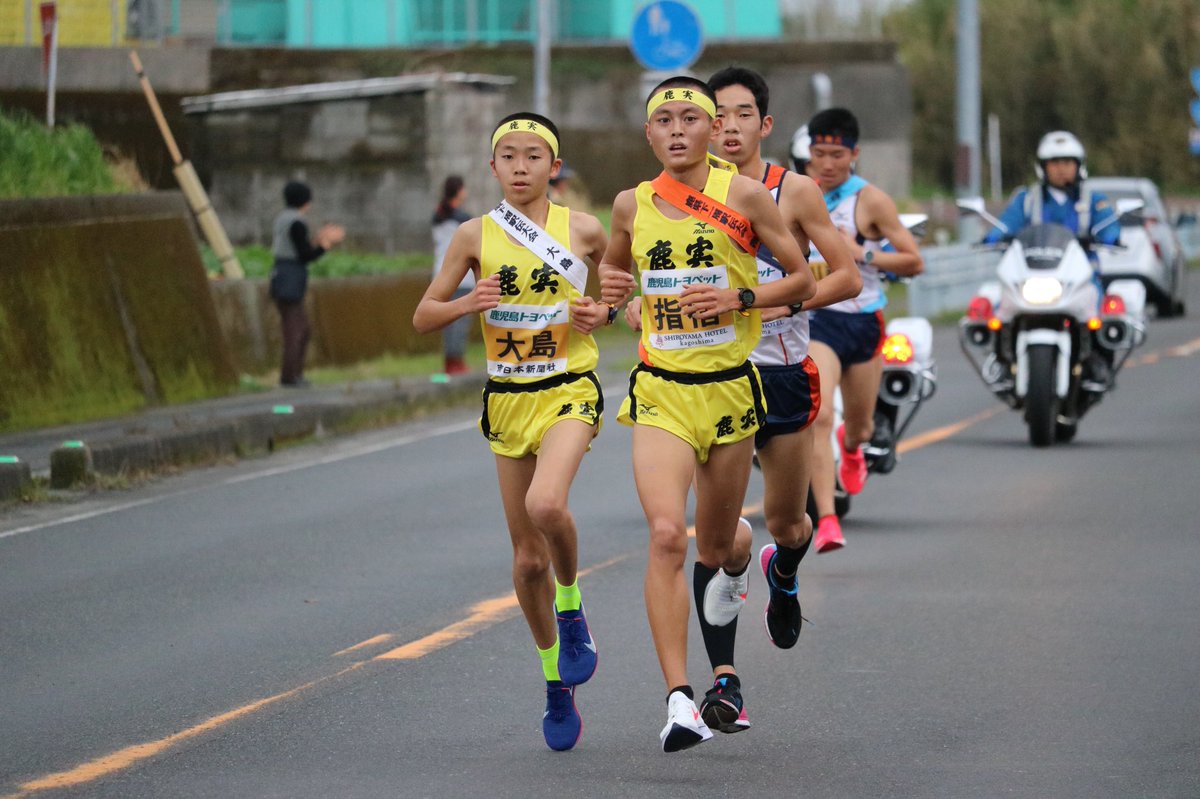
787, 560
730, 679
718, 641
686, 690
740, 571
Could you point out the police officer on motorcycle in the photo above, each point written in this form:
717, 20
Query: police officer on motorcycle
1062, 197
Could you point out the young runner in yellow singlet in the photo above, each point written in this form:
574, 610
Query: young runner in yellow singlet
695, 401
542, 405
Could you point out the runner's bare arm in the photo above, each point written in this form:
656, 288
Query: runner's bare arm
616, 267
436, 309
803, 204
880, 220
589, 241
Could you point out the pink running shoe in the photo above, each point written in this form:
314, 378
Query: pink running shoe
829, 534
853, 471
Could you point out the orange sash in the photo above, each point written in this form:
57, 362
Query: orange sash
706, 209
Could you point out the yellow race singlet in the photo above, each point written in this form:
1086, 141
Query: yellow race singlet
529, 336
670, 254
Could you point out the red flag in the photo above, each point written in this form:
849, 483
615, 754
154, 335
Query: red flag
49, 22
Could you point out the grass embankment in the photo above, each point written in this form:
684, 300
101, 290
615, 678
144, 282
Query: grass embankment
36, 161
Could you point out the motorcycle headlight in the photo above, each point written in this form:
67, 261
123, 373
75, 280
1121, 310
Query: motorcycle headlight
1042, 290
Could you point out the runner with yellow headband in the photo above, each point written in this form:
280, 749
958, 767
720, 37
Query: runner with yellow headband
542, 405
526, 124
695, 401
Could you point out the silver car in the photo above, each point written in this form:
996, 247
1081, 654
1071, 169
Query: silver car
1152, 254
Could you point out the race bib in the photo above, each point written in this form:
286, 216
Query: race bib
526, 340
666, 326
768, 273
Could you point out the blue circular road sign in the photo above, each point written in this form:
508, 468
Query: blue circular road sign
666, 36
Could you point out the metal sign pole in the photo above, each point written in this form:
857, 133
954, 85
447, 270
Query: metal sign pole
541, 60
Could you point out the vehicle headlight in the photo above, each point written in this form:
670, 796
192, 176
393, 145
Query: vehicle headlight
1042, 290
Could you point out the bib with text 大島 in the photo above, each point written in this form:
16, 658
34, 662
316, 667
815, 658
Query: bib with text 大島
527, 340
667, 326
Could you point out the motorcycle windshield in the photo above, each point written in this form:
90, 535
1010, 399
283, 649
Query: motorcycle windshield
1044, 245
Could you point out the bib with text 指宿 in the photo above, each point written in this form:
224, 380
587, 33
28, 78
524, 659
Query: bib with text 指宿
528, 336
670, 328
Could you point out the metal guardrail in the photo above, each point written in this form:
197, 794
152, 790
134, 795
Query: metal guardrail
952, 273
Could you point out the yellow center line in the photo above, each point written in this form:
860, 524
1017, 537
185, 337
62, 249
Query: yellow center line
483, 615
379, 639
131, 755
942, 433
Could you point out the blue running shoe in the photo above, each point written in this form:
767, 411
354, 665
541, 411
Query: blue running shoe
561, 724
783, 607
576, 649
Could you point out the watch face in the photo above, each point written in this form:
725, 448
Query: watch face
746, 297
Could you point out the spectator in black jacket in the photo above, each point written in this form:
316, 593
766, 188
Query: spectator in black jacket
293, 253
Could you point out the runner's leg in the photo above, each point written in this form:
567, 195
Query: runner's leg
860, 389
663, 465
822, 476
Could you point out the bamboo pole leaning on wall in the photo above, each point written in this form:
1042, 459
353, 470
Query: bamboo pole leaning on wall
189, 182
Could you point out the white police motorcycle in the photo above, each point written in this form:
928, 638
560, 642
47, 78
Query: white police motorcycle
1041, 336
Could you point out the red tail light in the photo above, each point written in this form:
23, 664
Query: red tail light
979, 309
1113, 305
1149, 225
897, 349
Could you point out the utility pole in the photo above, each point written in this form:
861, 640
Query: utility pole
966, 161
541, 60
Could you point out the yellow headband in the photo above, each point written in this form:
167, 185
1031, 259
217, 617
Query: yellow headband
526, 126
685, 94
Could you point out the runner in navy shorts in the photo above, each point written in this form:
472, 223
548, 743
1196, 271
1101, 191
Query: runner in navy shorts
793, 395
853, 337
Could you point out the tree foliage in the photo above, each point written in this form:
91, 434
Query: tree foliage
1114, 72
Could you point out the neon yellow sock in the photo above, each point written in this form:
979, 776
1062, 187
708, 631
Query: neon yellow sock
550, 661
566, 597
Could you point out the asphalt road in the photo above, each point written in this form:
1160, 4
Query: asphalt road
338, 621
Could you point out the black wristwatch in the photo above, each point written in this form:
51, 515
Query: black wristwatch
612, 314
795, 309
746, 298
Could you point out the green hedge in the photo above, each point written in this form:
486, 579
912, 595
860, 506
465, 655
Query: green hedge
36, 161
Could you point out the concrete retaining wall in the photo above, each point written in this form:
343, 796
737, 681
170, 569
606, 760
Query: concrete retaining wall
104, 309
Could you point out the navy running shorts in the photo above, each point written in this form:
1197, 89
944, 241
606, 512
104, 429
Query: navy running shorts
854, 337
793, 395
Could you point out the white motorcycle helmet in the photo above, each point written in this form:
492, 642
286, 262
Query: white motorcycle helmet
800, 152
1060, 144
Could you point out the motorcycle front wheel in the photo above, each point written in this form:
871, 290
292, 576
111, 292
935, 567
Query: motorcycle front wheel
1041, 400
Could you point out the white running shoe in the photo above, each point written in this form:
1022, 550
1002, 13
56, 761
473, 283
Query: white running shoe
724, 597
684, 727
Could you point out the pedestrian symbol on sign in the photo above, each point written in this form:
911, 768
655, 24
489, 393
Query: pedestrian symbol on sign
1194, 133
666, 36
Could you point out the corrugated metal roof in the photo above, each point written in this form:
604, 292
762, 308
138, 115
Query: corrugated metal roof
337, 90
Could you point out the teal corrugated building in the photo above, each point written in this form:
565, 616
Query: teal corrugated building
434, 23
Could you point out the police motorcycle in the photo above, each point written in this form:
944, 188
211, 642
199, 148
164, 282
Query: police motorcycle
909, 379
1041, 336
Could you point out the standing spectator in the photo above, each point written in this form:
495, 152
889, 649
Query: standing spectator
446, 219
293, 253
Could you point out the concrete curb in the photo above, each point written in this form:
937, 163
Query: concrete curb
15, 477
255, 431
